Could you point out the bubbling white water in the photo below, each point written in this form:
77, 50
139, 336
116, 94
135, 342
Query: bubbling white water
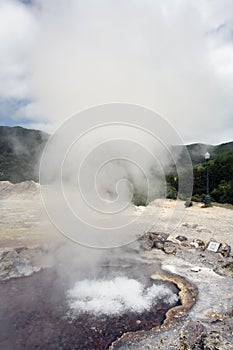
117, 296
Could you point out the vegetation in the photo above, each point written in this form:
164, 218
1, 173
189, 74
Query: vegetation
139, 199
221, 179
20, 151
220, 173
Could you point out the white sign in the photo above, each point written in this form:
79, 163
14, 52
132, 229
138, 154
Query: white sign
213, 246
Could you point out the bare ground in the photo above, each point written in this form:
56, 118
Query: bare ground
23, 223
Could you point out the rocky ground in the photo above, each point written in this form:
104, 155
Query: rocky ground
209, 324
186, 251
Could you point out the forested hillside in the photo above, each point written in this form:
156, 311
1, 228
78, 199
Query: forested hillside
220, 172
221, 178
197, 151
20, 151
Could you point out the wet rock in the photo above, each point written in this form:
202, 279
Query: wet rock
169, 248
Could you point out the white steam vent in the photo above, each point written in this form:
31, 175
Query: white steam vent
117, 296
102, 160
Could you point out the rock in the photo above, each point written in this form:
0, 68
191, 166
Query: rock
192, 335
228, 266
195, 269
11, 255
146, 243
153, 240
159, 241
186, 224
169, 248
20, 249
188, 204
15, 265
198, 243
195, 336
225, 250
181, 238
195, 244
214, 341
159, 245
214, 316
7, 189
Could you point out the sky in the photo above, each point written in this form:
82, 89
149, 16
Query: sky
175, 57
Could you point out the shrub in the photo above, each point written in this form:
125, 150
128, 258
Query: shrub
140, 199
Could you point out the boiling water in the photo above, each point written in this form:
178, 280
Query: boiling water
117, 296
44, 311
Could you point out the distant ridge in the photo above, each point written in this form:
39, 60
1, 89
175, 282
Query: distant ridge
20, 151
198, 150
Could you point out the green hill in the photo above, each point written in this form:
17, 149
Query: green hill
20, 151
198, 150
220, 176
220, 171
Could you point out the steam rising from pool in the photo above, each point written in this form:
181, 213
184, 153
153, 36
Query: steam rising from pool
117, 296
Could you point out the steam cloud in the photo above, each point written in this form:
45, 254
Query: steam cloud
90, 172
173, 57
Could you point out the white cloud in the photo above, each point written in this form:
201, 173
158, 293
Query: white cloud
17, 30
172, 56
